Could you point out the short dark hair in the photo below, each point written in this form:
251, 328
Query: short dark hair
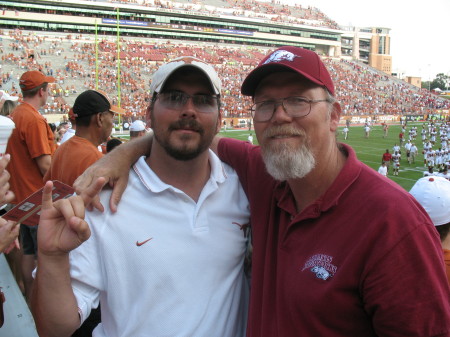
112, 143
85, 120
443, 231
33, 92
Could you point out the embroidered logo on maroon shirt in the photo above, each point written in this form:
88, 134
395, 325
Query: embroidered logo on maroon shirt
320, 264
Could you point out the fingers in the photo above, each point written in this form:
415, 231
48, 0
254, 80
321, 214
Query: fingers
4, 161
6, 195
83, 182
89, 194
97, 204
47, 200
116, 195
81, 227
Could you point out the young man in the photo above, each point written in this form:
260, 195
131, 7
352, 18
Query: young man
31, 146
316, 271
170, 261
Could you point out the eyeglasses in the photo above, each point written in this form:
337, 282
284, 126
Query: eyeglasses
175, 100
293, 106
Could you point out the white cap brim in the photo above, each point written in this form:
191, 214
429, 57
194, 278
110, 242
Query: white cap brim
7, 97
165, 71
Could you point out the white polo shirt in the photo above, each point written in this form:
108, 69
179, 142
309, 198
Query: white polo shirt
164, 265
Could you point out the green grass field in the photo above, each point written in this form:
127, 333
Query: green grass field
370, 150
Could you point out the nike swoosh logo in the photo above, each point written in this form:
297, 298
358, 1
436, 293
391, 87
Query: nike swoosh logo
141, 243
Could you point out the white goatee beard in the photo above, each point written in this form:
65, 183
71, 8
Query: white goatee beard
285, 162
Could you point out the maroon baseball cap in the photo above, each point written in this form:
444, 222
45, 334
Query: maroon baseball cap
302, 61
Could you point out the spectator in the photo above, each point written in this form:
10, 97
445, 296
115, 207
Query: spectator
112, 144
434, 195
31, 146
7, 103
189, 187
137, 129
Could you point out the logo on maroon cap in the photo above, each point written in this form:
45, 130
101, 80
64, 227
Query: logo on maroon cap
281, 55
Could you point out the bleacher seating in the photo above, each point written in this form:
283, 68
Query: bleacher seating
360, 89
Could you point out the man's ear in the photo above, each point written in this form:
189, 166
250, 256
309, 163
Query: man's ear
335, 116
148, 120
219, 123
98, 119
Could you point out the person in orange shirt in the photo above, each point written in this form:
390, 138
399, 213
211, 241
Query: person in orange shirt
31, 146
433, 193
94, 115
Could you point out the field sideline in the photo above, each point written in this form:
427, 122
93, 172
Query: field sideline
369, 150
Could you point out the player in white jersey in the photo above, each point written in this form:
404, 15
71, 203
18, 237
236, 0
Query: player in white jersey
430, 157
396, 162
396, 148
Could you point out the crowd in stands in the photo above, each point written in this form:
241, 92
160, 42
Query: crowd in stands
71, 60
273, 11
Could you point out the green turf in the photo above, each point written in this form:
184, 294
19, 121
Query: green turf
369, 150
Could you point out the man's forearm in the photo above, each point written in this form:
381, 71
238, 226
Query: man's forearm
54, 306
136, 148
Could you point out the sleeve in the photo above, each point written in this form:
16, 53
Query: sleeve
38, 139
86, 271
246, 160
406, 292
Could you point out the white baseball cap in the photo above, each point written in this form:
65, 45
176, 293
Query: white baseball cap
433, 193
164, 72
7, 97
137, 125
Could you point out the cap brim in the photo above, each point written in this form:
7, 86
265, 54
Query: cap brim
4, 96
117, 110
182, 65
252, 80
49, 79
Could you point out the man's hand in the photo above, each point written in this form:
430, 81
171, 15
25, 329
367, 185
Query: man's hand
115, 172
62, 227
115, 168
8, 235
6, 195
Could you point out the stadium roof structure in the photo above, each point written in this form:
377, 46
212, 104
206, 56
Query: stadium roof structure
190, 22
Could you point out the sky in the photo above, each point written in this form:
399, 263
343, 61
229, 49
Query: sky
420, 30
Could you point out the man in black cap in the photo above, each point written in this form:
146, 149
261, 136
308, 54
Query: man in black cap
94, 115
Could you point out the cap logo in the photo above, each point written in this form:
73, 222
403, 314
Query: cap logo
281, 55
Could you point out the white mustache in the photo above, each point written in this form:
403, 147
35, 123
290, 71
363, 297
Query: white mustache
283, 130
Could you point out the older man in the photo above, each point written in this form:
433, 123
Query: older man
319, 267
94, 115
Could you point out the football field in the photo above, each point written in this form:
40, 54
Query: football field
369, 150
